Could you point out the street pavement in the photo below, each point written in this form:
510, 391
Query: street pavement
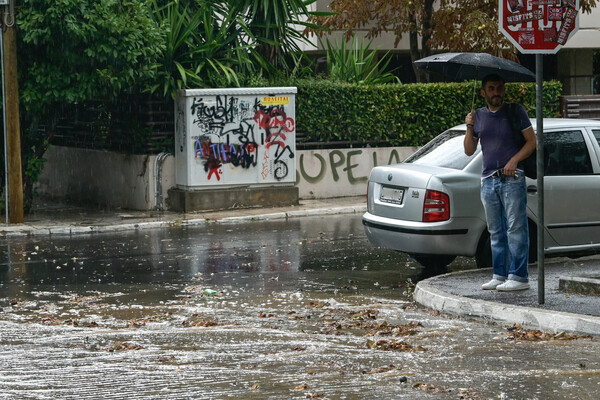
547, 308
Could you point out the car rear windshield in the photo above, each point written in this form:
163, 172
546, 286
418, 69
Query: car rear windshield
445, 150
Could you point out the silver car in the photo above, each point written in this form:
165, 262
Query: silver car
429, 205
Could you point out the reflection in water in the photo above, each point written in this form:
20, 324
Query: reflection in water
178, 254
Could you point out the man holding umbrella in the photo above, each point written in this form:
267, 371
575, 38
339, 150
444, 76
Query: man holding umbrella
503, 187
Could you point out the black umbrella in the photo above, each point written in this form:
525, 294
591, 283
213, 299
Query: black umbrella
467, 66
463, 66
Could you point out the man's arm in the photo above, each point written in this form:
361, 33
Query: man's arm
471, 141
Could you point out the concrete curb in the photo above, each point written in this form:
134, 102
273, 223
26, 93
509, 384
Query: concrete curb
63, 228
296, 214
498, 313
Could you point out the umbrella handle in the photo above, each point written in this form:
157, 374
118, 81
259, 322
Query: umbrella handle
474, 89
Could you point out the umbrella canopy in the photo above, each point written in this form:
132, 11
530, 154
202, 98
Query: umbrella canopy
467, 66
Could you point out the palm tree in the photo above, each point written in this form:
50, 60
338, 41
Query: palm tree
274, 25
204, 46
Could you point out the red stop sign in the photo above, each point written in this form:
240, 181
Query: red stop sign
538, 26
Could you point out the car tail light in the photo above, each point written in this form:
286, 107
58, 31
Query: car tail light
436, 206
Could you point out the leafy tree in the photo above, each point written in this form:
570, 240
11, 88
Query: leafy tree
454, 25
75, 50
273, 23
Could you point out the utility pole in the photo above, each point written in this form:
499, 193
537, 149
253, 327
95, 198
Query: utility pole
14, 178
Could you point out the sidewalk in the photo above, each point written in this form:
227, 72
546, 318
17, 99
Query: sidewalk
457, 293
460, 293
50, 218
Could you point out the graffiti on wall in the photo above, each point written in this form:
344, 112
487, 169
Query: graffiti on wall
353, 165
245, 132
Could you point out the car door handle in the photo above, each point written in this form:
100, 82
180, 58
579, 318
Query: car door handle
532, 189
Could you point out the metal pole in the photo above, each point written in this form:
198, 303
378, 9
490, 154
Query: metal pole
539, 78
4, 125
13, 128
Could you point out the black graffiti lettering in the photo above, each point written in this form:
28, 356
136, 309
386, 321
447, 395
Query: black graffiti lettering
281, 150
244, 132
223, 110
215, 117
243, 156
281, 170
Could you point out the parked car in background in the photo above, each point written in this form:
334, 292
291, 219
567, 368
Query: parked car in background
429, 205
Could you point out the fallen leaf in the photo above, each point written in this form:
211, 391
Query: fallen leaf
393, 345
122, 346
317, 304
516, 332
380, 370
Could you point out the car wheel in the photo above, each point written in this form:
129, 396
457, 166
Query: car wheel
483, 257
434, 261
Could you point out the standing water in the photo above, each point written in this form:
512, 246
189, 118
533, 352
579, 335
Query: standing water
304, 308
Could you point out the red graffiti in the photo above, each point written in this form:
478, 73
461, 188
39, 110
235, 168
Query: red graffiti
272, 139
275, 119
213, 167
216, 172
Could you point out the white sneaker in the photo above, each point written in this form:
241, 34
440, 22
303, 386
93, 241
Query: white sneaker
511, 285
491, 285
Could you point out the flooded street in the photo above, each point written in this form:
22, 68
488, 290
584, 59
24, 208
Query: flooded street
304, 308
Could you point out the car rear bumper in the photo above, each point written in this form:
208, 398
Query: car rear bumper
453, 237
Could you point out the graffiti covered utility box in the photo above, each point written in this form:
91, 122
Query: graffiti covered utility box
230, 137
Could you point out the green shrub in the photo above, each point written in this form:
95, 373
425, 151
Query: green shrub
397, 115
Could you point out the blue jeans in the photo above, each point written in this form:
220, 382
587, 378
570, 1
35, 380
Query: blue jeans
505, 203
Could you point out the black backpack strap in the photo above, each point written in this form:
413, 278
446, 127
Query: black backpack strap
529, 164
511, 112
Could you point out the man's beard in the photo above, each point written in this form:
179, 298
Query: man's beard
496, 101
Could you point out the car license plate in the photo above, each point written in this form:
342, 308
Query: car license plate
391, 195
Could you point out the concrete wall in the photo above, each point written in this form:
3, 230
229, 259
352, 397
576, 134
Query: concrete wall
142, 182
104, 178
342, 172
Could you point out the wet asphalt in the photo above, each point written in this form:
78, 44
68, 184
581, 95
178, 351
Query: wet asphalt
548, 308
